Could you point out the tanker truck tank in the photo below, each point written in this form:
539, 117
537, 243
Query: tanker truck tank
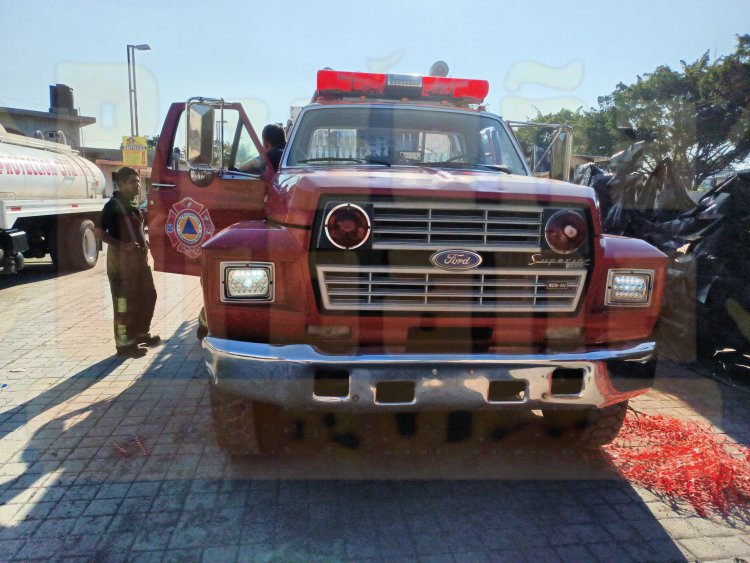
49, 200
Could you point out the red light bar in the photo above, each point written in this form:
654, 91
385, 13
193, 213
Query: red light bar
331, 81
400, 86
457, 88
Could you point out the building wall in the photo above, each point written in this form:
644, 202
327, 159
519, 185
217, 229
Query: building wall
28, 122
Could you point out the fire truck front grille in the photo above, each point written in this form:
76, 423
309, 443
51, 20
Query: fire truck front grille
419, 225
424, 289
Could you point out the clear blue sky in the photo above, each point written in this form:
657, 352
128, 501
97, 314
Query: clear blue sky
545, 54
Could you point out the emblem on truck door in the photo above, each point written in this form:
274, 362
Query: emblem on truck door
456, 259
188, 226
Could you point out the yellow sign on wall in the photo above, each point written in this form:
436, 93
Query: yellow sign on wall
134, 151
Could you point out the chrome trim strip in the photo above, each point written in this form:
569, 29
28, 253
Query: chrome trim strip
304, 355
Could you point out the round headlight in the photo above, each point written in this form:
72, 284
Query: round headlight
565, 231
347, 226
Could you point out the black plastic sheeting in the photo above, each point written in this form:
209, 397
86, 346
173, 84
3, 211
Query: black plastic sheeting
706, 307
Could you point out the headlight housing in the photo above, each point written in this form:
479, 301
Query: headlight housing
347, 226
629, 288
247, 281
565, 231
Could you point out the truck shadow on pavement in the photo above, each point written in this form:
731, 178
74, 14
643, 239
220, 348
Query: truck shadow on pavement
32, 272
135, 474
17, 416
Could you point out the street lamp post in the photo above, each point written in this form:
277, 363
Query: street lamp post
132, 93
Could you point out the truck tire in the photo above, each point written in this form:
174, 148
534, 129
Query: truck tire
587, 429
202, 330
56, 249
81, 247
244, 427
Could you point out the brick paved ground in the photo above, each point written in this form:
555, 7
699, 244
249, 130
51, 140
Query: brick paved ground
66, 492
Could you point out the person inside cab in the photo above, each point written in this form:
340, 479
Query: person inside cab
274, 141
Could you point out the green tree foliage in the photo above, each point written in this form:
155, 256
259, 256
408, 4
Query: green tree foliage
699, 115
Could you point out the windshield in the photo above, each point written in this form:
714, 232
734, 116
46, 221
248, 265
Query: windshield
350, 136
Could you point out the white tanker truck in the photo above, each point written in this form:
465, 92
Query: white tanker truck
49, 199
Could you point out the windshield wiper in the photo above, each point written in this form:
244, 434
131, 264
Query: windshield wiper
498, 167
371, 160
458, 164
366, 160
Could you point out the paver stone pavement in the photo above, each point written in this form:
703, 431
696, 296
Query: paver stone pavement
114, 459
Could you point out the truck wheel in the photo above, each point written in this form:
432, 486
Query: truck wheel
56, 248
587, 428
81, 247
244, 427
202, 330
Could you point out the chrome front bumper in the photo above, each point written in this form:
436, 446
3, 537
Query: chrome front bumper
286, 376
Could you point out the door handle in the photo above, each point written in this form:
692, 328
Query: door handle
163, 186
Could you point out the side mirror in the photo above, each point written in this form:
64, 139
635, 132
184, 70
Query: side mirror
552, 161
561, 149
200, 134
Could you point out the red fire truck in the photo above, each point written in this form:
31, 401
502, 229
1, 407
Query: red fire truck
402, 259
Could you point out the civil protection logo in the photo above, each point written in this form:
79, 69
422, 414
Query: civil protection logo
188, 226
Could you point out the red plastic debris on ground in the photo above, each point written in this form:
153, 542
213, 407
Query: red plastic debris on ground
683, 460
125, 449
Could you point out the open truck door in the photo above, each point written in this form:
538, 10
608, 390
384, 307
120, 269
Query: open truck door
198, 188
547, 148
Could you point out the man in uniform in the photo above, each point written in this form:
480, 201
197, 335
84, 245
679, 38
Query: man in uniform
120, 225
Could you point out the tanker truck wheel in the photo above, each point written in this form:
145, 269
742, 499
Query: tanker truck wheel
586, 429
244, 427
56, 245
81, 248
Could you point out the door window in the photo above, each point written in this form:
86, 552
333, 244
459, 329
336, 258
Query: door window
243, 148
178, 153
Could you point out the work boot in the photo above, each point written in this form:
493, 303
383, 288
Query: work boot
148, 339
131, 351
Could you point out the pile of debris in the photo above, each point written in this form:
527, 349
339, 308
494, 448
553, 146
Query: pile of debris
684, 460
706, 306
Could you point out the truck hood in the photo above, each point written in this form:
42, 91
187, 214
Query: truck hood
293, 196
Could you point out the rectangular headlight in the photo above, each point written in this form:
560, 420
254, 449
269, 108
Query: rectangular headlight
247, 281
629, 288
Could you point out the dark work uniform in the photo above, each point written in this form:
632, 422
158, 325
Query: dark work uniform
130, 279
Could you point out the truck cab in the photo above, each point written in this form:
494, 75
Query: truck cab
403, 259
